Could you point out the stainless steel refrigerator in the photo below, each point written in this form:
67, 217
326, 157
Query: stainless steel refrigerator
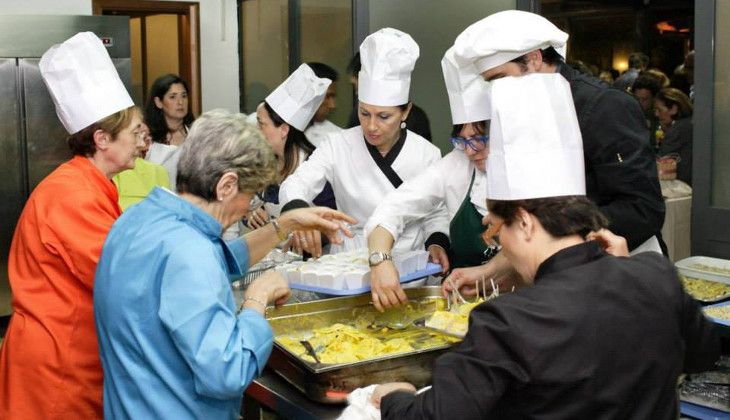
32, 139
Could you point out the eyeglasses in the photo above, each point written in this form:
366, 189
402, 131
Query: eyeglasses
476, 143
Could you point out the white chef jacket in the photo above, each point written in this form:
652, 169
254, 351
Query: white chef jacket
359, 185
166, 155
444, 183
318, 131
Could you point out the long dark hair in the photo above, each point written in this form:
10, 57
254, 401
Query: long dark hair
295, 140
154, 117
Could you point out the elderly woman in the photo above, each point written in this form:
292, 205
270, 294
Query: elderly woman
673, 109
49, 365
367, 162
581, 339
457, 181
173, 343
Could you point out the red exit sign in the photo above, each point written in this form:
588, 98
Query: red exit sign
107, 41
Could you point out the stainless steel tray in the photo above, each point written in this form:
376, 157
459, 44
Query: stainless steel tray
330, 383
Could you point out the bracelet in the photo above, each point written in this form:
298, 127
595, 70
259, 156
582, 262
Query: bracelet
255, 301
282, 236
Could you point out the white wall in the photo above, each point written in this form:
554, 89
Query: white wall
434, 25
218, 42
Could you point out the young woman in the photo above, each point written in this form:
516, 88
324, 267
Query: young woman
367, 162
168, 116
282, 119
673, 109
456, 181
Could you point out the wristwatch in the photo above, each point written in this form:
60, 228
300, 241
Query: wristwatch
377, 257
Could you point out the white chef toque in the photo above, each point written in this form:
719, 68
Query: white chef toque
83, 81
504, 36
535, 145
388, 57
468, 93
297, 99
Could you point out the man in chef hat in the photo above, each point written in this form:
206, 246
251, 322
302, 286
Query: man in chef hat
49, 365
581, 339
621, 175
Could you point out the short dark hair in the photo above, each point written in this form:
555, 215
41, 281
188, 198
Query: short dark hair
481, 127
353, 68
560, 216
323, 71
638, 60
549, 56
153, 116
82, 142
647, 82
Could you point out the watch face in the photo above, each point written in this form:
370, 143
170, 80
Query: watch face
375, 258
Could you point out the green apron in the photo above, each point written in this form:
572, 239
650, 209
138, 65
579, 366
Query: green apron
467, 247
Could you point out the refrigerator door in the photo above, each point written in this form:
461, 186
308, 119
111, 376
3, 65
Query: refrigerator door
11, 170
45, 135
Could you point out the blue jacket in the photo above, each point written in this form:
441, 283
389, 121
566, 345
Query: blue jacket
171, 343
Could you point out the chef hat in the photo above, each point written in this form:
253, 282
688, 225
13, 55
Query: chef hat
504, 36
535, 145
83, 82
468, 92
297, 99
388, 57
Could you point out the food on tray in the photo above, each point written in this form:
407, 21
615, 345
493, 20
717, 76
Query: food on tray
342, 343
711, 269
455, 321
720, 312
704, 290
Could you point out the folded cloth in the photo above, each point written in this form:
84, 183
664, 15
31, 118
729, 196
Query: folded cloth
359, 406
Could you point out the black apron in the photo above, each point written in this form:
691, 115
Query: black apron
467, 247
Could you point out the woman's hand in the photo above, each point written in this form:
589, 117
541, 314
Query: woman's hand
270, 288
307, 240
497, 269
257, 218
324, 219
437, 255
384, 389
611, 243
385, 287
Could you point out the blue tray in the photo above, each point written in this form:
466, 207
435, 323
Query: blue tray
431, 268
718, 320
702, 413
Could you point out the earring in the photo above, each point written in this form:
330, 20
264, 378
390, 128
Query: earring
402, 124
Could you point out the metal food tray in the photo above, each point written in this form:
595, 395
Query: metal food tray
686, 268
720, 321
331, 383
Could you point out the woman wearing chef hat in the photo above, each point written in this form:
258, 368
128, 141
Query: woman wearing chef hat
282, 118
458, 181
49, 365
581, 340
367, 162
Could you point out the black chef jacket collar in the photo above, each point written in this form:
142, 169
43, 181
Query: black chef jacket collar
389, 157
570, 257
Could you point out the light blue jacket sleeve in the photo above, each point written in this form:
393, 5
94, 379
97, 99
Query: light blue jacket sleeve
224, 351
239, 252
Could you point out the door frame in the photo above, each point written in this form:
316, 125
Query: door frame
710, 230
189, 40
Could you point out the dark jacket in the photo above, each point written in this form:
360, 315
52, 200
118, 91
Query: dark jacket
678, 139
596, 337
621, 171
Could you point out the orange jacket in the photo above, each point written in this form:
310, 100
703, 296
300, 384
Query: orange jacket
49, 362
